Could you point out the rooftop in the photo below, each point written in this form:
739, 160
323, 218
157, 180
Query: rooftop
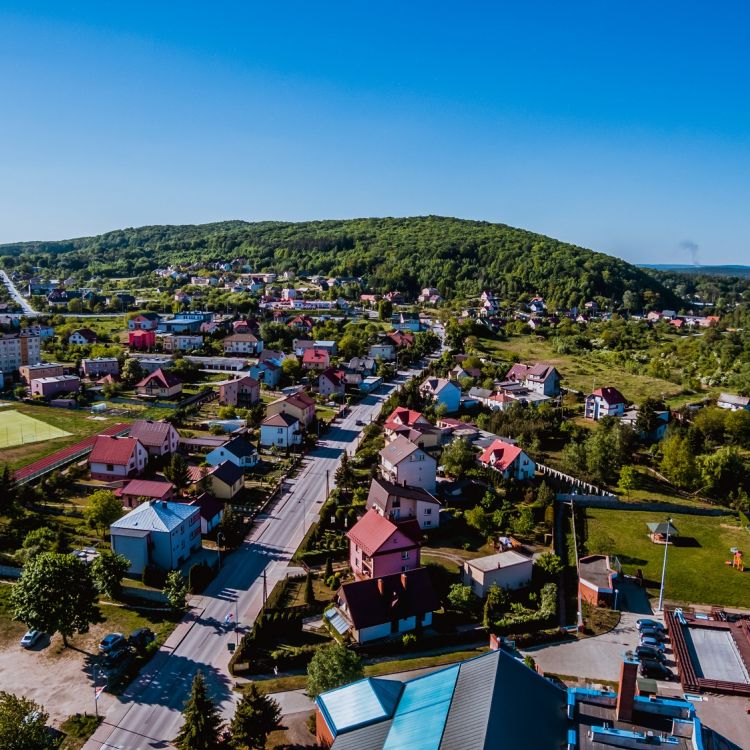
506, 559
157, 515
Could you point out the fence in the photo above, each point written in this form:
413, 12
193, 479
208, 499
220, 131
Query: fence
148, 594
560, 476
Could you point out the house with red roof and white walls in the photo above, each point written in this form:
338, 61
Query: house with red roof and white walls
114, 458
509, 460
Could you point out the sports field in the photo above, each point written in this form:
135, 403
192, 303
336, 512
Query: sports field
20, 429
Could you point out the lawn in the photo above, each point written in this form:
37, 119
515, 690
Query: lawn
581, 372
21, 429
696, 571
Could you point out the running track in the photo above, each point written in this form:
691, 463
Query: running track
65, 456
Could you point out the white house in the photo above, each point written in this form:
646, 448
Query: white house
159, 533
158, 438
509, 460
403, 462
282, 430
443, 392
238, 450
604, 402
117, 458
509, 570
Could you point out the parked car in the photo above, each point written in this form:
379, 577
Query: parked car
649, 652
30, 638
114, 658
645, 622
660, 635
653, 668
140, 638
359, 423
112, 642
653, 642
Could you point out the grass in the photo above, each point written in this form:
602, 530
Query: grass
696, 572
78, 728
582, 371
126, 620
299, 681
20, 429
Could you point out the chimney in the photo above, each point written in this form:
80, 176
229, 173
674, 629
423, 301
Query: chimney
627, 687
381, 590
403, 581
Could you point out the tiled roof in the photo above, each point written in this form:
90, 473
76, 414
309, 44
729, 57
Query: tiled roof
500, 455
156, 515
372, 531
208, 505
240, 447
280, 420
240, 338
147, 488
404, 416
336, 377
113, 450
315, 356
611, 395
167, 379
150, 433
381, 490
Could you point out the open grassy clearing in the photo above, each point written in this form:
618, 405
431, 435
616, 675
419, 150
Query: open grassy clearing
696, 572
581, 372
21, 429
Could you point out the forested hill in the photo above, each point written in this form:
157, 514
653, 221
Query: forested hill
458, 257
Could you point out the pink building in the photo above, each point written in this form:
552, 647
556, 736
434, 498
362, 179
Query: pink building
244, 391
140, 339
379, 547
51, 387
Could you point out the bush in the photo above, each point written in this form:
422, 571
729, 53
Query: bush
199, 577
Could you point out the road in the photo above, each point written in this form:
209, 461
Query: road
148, 714
28, 310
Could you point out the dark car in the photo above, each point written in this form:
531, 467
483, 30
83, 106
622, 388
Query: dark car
648, 652
653, 668
660, 635
653, 643
112, 642
140, 638
115, 658
359, 423
645, 622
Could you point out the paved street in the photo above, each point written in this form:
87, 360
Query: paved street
148, 715
16, 295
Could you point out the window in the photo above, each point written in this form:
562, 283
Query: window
405, 555
427, 523
428, 511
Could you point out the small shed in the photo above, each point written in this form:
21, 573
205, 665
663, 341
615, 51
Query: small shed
658, 533
509, 570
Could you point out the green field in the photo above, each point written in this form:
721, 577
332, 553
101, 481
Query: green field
696, 570
20, 429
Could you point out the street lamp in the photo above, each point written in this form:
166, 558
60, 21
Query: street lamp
664, 568
219, 537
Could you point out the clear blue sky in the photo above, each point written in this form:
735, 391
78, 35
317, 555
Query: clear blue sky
624, 127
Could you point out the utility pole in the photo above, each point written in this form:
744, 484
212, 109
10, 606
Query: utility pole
664, 568
265, 589
328, 488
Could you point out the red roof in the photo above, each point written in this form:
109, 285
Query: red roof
336, 377
315, 356
166, 379
372, 531
139, 333
500, 455
301, 400
611, 395
113, 450
402, 416
147, 488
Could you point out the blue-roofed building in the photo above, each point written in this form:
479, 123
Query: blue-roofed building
495, 701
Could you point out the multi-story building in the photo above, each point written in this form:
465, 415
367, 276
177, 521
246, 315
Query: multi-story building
18, 349
100, 366
41, 370
49, 387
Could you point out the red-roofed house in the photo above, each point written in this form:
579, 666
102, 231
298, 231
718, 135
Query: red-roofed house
332, 382
604, 402
540, 378
159, 384
158, 438
509, 460
117, 458
379, 547
298, 405
136, 490
316, 359
400, 339
141, 340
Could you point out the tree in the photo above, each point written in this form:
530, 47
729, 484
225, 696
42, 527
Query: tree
628, 479
463, 599
478, 518
495, 605
8, 494
108, 570
309, 593
176, 590
328, 569
331, 667
255, 717
523, 523
177, 471
56, 593
291, 368
23, 724
132, 372
545, 495
385, 310
103, 510
678, 461
344, 474
550, 564
457, 458
722, 472
36, 542
202, 721
232, 527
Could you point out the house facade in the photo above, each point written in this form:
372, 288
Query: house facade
508, 570
159, 384
147, 321
82, 336
98, 366
398, 503
403, 462
158, 438
443, 392
243, 391
41, 370
509, 460
238, 450
115, 458
226, 480
19, 349
604, 402
242, 343
298, 405
281, 430
137, 491
51, 387
141, 340
332, 383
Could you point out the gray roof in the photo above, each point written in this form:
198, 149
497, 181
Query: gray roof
155, 516
398, 450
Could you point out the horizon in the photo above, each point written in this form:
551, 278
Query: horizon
551, 122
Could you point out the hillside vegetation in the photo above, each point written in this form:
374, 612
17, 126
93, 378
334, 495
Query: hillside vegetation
458, 257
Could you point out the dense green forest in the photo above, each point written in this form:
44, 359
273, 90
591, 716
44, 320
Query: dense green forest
458, 257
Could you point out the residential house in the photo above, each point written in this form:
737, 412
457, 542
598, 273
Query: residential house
332, 382
630, 418
316, 359
379, 547
399, 502
51, 387
159, 384
443, 392
152, 364
267, 371
98, 366
181, 342
385, 350
596, 580
537, 305
211, 511
429, 296
145, 321
238, 450
282, 430
158, 438
414, 426
301, 323
41, 370
387, 607
243, 391
403, 462
82, 336
539, 378
242, 343
604, 402
141, 340
137, 491
508, 570
509, 460
298, 405
158, 533
400, 339
115, 458
227, 480
405, 321
187, 322
732, 402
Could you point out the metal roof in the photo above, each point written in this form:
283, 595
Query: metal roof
359, 704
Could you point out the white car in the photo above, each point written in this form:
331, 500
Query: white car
30, 638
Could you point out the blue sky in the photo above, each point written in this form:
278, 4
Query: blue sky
624, 127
